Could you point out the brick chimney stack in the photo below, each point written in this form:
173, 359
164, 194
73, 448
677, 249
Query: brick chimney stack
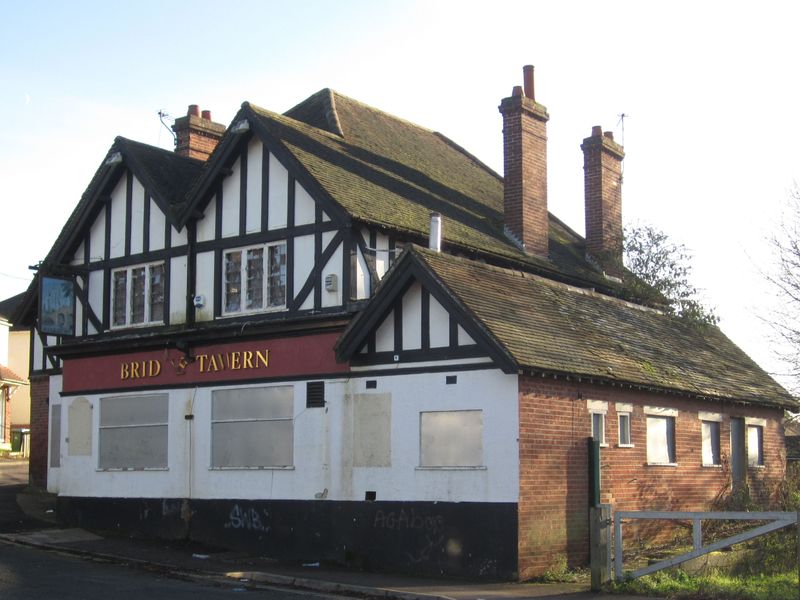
197, 134
525, 168
602, 175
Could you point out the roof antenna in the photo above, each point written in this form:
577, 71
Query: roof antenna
621, 124
162, 114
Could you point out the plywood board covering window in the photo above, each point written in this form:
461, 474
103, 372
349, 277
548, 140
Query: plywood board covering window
252, 427
451, 438
134, 432
372, 430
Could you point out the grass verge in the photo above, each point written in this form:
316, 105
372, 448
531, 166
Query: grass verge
679, 585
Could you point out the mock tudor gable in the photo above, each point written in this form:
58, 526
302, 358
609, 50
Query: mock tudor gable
266, 359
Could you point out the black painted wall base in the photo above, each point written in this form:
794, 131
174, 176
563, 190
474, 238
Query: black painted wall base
456, 539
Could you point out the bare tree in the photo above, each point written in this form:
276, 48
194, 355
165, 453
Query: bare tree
785, 279
663, 269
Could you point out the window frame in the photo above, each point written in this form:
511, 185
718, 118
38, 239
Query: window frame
627, 416
266, 290
147, 318
711, 421
598, 409
428, 464
755, 460
133, 401
670, 418
290, 419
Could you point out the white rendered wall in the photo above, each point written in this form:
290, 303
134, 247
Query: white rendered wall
96, 283
97, 237
412, 318
324, 454
178, 238
230, 201
206, 226
255, 152
157, 226
204, 285
177, 290
137, 217
53, 474
278, 194
304, 206
332, 267
118, 203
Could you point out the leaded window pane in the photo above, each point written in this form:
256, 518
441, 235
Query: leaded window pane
255, 279
277, 275
120, 297
137, 294
157, 292
233, 281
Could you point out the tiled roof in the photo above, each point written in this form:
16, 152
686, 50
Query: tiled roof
166, 176
555, 328
392, 173
8, 376
9, 305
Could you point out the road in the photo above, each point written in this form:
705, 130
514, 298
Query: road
30, 573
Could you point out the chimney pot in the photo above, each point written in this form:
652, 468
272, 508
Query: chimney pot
527, 77
609, 135
517, 91
597, 130
196, 136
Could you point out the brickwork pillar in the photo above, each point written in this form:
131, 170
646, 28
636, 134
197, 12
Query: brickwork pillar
40, 416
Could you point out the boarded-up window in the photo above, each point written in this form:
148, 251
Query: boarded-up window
451, 438
372, 430
660, 440
252, 427
79, 424
133, 432
55, 436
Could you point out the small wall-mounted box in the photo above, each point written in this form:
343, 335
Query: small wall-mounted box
199, 301
331, 282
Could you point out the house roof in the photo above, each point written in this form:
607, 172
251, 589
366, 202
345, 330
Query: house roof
550, 327
387, 172
9, 305
164, 174
7, 376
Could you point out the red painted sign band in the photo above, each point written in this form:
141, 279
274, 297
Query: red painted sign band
238, 361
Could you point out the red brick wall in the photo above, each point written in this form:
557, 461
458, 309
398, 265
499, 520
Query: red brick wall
40, 415
553, 501
5, 434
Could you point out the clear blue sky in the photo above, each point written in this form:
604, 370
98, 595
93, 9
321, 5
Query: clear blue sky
711, 90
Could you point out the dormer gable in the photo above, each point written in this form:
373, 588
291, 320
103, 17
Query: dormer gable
415, 318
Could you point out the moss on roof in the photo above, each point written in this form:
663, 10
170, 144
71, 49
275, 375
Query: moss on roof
552, 327
392, 173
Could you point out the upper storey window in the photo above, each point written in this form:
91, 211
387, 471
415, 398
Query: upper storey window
255, 279
137, 295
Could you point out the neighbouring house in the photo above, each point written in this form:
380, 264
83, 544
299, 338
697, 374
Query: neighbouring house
15, 414
331, 334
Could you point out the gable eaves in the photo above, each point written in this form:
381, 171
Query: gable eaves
406, 270
335, 211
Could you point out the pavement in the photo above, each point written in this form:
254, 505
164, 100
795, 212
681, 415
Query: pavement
187, 560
